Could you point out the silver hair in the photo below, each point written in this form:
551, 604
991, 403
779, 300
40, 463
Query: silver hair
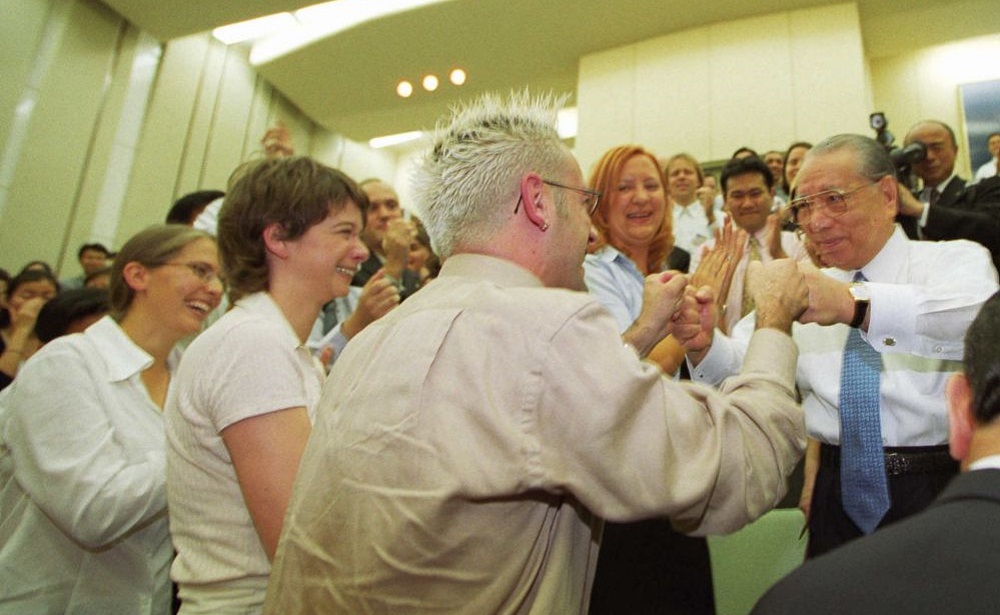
870, 156
466, 186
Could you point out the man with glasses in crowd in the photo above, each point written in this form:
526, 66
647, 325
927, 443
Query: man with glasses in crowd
882, 334
475, 480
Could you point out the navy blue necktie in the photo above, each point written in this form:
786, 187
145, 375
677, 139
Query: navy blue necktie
862, 465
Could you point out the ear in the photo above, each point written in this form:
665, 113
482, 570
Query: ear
531, 200
960, 419
274, 240
889, 189
136, 276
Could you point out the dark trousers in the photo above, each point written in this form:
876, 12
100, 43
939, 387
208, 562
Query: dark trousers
829, 525
648, 568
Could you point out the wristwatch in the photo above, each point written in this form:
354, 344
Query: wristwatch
862, 301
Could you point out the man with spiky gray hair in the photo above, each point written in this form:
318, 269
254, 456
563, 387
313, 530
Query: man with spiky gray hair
474, 477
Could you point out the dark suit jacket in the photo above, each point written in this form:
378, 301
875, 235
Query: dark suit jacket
964, 212
945, 559
411, 281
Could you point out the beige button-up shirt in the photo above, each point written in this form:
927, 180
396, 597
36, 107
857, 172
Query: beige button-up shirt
468, 444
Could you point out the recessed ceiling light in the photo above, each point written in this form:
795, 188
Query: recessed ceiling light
404, 89
430, 83
457, 76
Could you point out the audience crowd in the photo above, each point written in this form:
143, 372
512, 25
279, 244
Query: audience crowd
524, 392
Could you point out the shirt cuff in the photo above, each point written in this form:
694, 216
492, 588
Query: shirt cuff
922, 220
718, 364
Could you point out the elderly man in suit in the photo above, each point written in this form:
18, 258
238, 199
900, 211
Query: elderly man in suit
947, 207
943, 560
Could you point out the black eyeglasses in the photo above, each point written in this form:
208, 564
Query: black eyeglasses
593, 197
832, 202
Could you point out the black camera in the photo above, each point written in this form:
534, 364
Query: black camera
903, 158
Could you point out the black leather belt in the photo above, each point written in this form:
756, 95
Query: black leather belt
901, 460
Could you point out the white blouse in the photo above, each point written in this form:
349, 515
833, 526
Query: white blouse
83, 520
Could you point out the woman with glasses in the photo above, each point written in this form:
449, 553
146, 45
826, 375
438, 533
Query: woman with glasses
83, 519
289, 237
644, 566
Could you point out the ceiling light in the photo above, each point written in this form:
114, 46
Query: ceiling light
404, 89
319, 21
397, 139
254, 28
430, 83
457, 76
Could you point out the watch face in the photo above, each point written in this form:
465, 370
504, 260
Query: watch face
860, 292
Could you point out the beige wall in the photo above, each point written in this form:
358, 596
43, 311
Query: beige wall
771, 80
102, 128
763, 82
923, 84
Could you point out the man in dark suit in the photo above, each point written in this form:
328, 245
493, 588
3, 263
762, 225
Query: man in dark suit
946, 207
388, 237
944, 559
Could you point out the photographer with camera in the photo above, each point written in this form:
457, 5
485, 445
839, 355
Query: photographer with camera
946, 207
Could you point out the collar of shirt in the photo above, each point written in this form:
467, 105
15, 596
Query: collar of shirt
925, 194
262, 303
886, 264
497, 270
611, 254
690, 210
762, 238
983, 463
123, 357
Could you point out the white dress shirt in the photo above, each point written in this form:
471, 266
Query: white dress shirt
987, 170
924, 295
83, 520
691, 227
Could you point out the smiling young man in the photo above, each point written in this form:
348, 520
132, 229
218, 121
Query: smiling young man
899, 307
692, 226
388, 237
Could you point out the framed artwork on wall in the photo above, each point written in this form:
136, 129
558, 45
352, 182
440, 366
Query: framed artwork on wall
981, 107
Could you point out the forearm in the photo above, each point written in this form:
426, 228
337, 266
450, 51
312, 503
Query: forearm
668, 354
762, 431
643, 337
73, 467
17, 350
